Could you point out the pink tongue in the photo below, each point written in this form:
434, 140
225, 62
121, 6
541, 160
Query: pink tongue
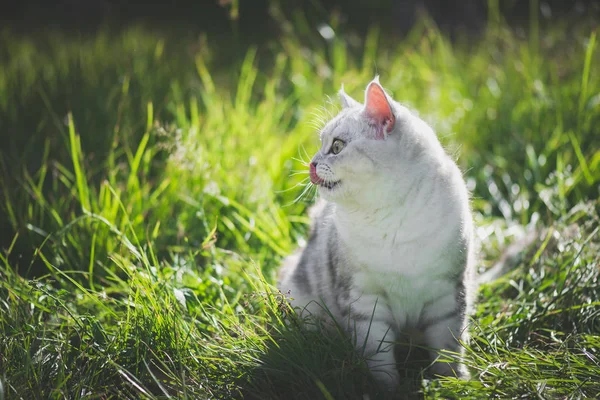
314, 178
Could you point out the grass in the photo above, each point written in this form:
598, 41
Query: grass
148, 196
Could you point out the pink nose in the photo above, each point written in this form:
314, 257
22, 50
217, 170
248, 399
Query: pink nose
314, 178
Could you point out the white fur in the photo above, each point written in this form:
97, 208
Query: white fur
404, 223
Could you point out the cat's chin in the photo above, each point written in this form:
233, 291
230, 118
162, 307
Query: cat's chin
330, 186
329, 190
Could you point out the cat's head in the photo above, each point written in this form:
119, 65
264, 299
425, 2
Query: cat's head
362, 158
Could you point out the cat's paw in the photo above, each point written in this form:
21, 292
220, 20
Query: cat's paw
387, 379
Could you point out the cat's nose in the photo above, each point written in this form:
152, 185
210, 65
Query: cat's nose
314, 178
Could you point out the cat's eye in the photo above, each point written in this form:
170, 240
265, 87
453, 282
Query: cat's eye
337, 146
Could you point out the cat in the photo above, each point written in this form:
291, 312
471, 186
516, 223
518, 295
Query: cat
391, 248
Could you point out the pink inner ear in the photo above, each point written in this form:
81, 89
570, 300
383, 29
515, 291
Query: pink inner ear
379, 110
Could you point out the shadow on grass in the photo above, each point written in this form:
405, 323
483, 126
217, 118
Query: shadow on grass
322, 363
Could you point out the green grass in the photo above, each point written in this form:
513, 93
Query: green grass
147, 197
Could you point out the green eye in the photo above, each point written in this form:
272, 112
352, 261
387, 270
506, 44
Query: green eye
337, 146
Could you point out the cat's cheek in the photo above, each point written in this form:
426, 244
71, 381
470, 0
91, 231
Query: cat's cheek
358, 171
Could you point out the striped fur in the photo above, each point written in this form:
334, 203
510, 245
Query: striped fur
391, 246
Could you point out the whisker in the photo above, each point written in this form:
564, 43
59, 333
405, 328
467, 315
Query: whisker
302, 183
317, 116
295, 187
306, 154
318, 113
294, 173
301, 161
331, 107
315, 193
297, 199
305, 192
316, 126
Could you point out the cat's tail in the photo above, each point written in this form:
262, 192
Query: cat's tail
511, 257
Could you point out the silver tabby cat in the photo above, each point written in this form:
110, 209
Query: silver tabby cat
391, 247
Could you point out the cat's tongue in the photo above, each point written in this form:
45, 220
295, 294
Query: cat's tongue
314, 178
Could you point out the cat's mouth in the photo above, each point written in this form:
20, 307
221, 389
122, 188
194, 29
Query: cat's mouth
329, 184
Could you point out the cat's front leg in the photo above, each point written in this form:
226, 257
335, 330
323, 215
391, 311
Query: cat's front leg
375, 340
443, 332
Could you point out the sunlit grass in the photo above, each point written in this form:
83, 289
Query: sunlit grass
148, 197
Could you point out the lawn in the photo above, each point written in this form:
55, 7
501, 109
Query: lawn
150, 187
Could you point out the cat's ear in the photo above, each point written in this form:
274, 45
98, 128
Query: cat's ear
346, 100
378, 108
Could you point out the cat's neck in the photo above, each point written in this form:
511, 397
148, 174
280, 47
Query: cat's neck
421, 209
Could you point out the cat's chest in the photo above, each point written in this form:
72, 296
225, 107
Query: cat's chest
407, 274
407, 258
394, 245
397, 260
